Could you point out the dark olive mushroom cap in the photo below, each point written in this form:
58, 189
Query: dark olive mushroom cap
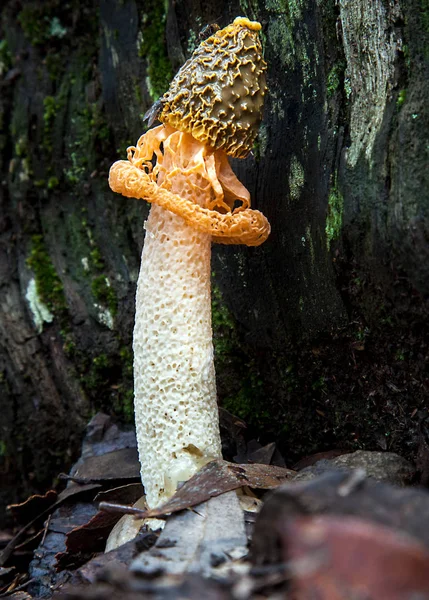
218, 94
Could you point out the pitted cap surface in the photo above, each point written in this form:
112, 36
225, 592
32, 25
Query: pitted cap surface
218, 94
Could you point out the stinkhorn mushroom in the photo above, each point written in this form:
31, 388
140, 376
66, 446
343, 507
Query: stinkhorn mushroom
212, 109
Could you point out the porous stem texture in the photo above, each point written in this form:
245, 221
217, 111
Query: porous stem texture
174, 379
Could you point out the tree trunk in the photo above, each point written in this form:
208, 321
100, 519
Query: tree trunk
319, 333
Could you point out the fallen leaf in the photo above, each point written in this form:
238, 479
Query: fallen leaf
74, 492
217, 477
85, 540
125, 494
117, 465
77, 491
262, 455
91, 570
33, 506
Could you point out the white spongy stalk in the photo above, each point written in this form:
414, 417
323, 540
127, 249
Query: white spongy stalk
176, 411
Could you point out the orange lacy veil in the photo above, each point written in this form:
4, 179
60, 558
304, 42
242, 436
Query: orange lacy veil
194, 182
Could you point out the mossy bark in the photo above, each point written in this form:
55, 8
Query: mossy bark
316, 329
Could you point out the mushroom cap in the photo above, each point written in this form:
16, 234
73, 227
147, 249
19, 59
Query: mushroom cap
218, 94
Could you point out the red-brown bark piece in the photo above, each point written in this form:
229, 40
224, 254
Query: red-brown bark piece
339, 558
341, 493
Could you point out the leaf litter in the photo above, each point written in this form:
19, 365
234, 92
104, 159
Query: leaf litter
202, 552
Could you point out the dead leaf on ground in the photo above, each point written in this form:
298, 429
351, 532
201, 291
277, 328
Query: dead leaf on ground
32, 507
118, 465
254, 452
6, 571
77, 490
73, 491
122, 556
262, 455
125, 494
90, 538
19, 596
85, 540
5, 537
217, 477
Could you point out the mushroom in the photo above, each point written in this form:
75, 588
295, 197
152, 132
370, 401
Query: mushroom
212, 109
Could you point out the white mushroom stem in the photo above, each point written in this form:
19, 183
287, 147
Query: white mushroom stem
176, 410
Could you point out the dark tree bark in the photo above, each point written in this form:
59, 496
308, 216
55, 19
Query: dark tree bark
320, 334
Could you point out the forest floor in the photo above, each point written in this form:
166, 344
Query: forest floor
338, 523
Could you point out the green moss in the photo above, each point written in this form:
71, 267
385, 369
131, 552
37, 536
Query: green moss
51, 106
40, 23
248, 403
21, 147
89, 137
48, 284
284, 26
69, 345
110, 377
335, 78
97, 374
279, 34
192, 42
53, 182
34, 24
334, 218
56, 30
125, 405
104, 293
77, 167
126, 355
152, 47
402, 96
97, 259
54, 64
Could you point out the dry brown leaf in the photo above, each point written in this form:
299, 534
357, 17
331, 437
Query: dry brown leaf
217, 477
117, 465
34, 505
